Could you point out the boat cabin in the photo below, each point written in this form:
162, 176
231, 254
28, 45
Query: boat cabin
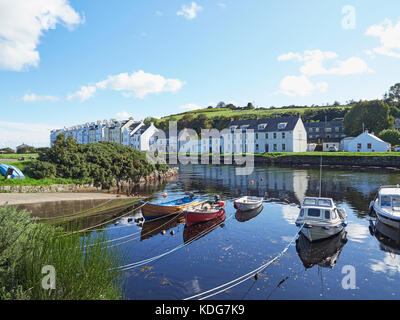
389, 198
318, 209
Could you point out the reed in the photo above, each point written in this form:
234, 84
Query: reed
84, 268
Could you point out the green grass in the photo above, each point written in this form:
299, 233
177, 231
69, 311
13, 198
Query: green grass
84, 267
17, 156
267, 113
28, 181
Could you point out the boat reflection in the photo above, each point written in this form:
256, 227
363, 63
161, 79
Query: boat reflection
151, 228
322, 253
388, 237
243, 216
197, 231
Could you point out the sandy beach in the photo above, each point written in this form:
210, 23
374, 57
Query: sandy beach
25, 198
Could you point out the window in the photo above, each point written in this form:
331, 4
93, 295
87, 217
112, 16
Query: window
262, 126
328, 129
309, 129
337, 129
256, 147
283, 147
313, 212
275, 147
396, 201
369, 146
266, 136
283, 135
257, 136
274, 135
327, 215
301, 212
385, 201
282, 125
359, 145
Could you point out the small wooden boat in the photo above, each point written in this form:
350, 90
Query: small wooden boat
387, 205
204, 211
156, 210
321, 218
248, 203
197, 231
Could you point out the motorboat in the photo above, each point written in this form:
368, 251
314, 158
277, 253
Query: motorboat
320, 218
157, 210
248, 203
204, 211
386, 205
243, 216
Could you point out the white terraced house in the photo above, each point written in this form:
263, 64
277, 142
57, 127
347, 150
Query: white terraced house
269, 135
143, 137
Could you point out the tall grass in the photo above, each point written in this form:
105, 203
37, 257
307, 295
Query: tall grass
84, 267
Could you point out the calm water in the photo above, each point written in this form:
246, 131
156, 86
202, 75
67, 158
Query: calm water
231, 248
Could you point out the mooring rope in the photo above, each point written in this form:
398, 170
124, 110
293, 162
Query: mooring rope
106, 222
245, 277
146, 261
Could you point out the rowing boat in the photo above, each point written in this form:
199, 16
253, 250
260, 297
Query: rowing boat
156, 210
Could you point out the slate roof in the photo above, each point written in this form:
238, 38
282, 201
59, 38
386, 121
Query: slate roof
272, 124
323, 124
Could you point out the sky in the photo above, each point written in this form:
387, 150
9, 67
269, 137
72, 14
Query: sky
65, 63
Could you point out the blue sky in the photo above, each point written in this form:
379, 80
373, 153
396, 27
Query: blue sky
69, 62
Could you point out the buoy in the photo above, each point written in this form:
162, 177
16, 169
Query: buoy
262, 179
256, 276
172, 232
221, 203
163, 232
165, 195
252, 181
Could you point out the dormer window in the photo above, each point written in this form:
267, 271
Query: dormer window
262, 126
282, 125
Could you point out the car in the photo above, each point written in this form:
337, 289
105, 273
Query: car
332, 149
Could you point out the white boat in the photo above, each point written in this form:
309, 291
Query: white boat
248, 203
387, 205
320, 218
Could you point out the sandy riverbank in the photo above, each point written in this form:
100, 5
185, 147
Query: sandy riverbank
25, 198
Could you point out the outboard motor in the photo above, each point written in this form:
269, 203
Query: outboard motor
217, 198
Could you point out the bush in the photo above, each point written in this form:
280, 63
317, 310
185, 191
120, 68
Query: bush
391, 136
41, 170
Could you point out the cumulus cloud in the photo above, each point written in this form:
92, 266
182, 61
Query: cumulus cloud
190, 12
389, 36
22, 23
300, 86
123, 115
85, 93
32, 97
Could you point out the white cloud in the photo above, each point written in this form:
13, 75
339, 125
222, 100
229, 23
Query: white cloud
190, 12
389, 36
32, 97
137, 84
221, 5
85, 93
123, 115
314, 59
300, 86
16, 133
191, 106
22, 23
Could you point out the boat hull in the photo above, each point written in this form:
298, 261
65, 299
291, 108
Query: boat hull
152, 211
193, 218
318, 233
392, 221
243, 205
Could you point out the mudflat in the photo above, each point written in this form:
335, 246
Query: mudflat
24, 198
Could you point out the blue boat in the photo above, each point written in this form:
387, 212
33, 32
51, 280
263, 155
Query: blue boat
156, 210
16, 173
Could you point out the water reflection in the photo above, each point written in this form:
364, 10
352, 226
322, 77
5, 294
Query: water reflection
322, 253
197, 231
151, 228
243, 216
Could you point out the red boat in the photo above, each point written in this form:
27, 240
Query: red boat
204, 211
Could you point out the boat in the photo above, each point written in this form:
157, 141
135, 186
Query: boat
243, 216
320, 218
386, 205
248, 203
324, 253
204, 211
199, 230
157, 210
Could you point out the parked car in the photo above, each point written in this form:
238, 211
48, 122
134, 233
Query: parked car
333, 149
396, 149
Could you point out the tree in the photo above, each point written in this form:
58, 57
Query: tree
393, 96
369, 115
390, 135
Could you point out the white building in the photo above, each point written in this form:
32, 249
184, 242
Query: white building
365, 142
143, 137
